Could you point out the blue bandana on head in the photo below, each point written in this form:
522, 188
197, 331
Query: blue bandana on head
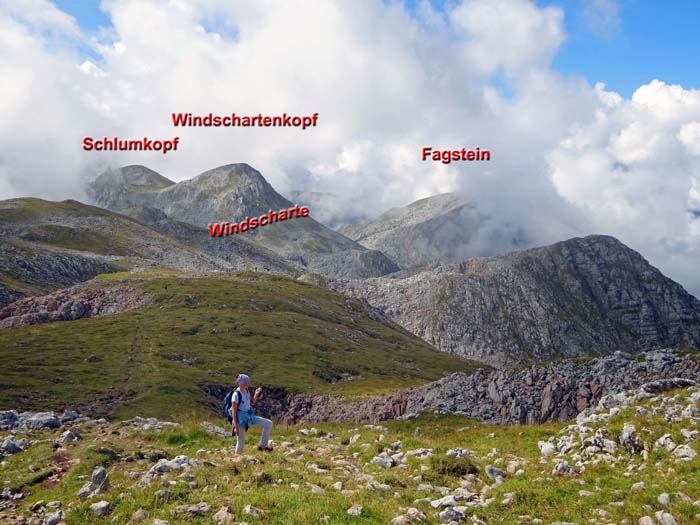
242, 380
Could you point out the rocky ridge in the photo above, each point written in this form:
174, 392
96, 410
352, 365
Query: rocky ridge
229, 194
70, 304
238, 252
47, 245
577, 298
442, 228
552, 392
29, 269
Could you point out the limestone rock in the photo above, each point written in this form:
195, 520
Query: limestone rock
629, 439
98, 484
68, 437
38, 421
355, 510
101, 508
223, 516
193, 510
167, 465
684, 452
495, 474
451, 514
249, 510
139, 515
664, 518
54, 518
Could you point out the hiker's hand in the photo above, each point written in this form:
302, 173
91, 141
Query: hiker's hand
258, 391
235, 429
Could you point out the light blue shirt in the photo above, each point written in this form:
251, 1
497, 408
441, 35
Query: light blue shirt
244, 405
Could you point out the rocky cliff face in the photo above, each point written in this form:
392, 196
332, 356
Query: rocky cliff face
553, 392
443, 228
27, 269
232, 192
73, 303
582, 297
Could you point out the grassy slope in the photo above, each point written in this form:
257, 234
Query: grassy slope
268, 485
37, 233
84, 227
283, 332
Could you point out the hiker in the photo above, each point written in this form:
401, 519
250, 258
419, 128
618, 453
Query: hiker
243, 416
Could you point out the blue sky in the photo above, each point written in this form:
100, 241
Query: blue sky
653, 39
86, 12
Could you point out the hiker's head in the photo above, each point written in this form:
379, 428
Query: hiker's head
243, 380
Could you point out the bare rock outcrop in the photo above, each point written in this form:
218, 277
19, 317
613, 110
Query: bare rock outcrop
553, 392
73, 303
583, 297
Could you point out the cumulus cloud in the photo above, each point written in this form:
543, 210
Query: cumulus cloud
689, 136
567, 159
514, 35
634, 168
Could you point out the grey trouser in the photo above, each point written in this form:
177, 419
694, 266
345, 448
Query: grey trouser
266, 425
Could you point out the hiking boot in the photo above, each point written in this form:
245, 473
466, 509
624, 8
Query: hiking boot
264, 449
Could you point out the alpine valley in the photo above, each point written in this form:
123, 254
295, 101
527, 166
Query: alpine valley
449, 379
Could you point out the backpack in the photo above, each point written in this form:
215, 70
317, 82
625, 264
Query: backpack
227, 406
228, 400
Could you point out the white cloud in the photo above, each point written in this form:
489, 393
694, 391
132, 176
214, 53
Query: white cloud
41, 15
689, 136
634, 169
602, 16
90, 68
512, 35
567, 159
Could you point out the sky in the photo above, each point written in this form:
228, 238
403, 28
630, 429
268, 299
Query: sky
591, 108
623, 43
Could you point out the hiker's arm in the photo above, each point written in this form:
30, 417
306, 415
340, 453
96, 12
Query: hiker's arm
234, 411
258, 391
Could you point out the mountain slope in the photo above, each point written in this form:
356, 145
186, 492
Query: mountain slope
232, 192
46, 245
619, 460
30, 269
443, 228
177, 353
582, 297
240, 252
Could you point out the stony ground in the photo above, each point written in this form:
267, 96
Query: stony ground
632, 460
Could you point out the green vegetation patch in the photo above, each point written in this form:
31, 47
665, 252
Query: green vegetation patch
200, 332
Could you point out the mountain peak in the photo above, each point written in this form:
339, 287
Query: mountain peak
220, 194
584, 296
138, 175
121, 188
230, 177
231, 193
442, 228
